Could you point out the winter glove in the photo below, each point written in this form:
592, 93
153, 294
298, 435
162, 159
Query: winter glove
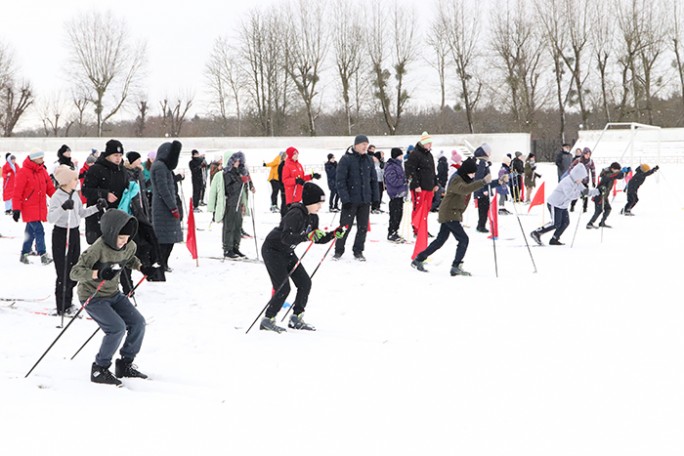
656, 168
316, 176
316, 235
264, 163
626, 169
175, 213
245, 179
593, 192
538, 175
153, 273
15, 215
108, 271
584, 192
488, 178
339, 232
299, 181
68, 204
101, 204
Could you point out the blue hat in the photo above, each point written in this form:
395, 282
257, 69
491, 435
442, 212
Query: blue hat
36, 155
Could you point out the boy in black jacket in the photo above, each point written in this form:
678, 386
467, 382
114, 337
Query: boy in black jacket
640, 175
299, 224
601, 201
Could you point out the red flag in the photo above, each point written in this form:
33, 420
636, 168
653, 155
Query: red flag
538, 198
493, 216
521, 197
191, 241
420, 221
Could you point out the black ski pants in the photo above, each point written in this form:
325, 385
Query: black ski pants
279, 264
396, 211
351, 212
64, 286
482, 210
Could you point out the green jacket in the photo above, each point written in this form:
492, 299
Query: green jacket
103, 251
457, 198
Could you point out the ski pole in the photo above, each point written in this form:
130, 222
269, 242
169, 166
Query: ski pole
579, 217
527, 244
256, 245
66, 266
98, 328
332, 244
66, 327
281, 285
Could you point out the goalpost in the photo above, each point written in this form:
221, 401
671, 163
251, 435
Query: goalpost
615, 147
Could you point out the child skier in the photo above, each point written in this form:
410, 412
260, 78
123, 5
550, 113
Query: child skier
65, 212
299, 224
99, 266
601, 203
460, 187
569, 188
640, 175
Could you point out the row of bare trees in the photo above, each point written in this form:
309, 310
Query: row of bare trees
604, 60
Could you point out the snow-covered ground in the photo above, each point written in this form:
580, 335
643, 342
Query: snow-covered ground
582, 357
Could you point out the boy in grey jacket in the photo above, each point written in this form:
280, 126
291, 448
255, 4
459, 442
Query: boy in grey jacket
65, 213
97, 274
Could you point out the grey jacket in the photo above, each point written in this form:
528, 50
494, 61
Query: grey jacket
71, 218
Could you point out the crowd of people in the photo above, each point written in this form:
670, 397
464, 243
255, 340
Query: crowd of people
133, 212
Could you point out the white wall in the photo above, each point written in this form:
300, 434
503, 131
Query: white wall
648, 146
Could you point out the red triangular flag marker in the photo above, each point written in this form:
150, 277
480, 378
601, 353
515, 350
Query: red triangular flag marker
191, 241
538, 198
493, 216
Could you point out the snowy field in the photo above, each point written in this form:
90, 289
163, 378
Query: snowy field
583, 357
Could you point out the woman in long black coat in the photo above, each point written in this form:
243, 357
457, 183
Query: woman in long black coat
165, 211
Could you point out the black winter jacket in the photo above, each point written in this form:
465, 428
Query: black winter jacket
293, 229
356, 178
442, 171
420, 169
102, 178
196, 165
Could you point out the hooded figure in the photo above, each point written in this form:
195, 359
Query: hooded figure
165, 210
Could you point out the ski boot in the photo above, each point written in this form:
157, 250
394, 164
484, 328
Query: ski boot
102, 375
458, 270
591, 226
231, 255
535, 235
359, 257
417, 264
269, 324
240, 255
555, 241
45, 259
604, 225
125, 368
24, 258
297, 322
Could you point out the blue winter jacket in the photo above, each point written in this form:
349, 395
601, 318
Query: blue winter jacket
356, 178
395, 179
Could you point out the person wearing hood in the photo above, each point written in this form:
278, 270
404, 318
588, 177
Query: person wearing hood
197, 166
99, 267
235, 178
293, 177
357, 186
569, 188
456, 200
166, 215
9, 175
482, 154
106, 179
32, 187
640, 175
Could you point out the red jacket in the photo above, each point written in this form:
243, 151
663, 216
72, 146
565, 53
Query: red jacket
291, 171
9, 178
81, 178
32, 186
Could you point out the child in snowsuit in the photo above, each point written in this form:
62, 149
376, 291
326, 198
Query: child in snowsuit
640, 175
65, 212
99, 266
569, 188
299, 224
456, 199
601, 203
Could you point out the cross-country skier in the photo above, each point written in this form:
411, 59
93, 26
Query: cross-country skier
640, 175
601, 203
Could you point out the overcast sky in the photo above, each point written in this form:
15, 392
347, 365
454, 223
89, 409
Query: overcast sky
179, 37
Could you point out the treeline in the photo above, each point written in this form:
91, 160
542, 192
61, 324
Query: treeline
548, 67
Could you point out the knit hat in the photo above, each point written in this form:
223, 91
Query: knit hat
7, 155
645, 168
425, 138
290, 151
132, 156
151, 155
360, 139
487, 149
410, 148
113, 147
65, 175
518, 154
312, 194
586, 150
36, 155
63, 149
330, 156
469, 166
615, 165
90, 159
456, 157
396, 152
506, 160
194, 152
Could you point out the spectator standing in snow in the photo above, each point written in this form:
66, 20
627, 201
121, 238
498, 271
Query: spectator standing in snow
357, 186
504, 176
517, 174
482, 155
585, 159
235, 178
32, 187
397, 190
331, 175
420, 171
568, 189
640, 175
276, 185
293, 177
531, 175
109, 308
197, 166
379, 162
299, 224
563, 160
9, 176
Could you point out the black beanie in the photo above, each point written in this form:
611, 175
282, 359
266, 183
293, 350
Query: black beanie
330, 156
467, 167
360, 139
63, 149
615, 165
7, 155
132, 156
396, 152
113, 147
312, 194
194, 152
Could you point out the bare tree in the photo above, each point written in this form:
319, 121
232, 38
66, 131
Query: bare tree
225, 81
677, 42
391, 47
105, 63
517, 44
52, 110
578, 23
141, 119
80, 102
436, 40
460, 23
15, 96
173, 114
602, 33
347, 42
308, 45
